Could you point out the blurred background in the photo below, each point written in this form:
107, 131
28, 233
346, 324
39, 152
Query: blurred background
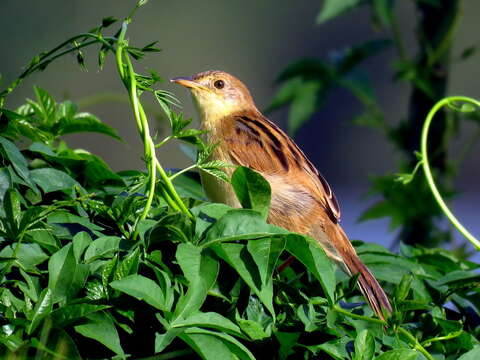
253, 40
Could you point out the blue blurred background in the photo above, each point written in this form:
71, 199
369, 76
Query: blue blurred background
253, 40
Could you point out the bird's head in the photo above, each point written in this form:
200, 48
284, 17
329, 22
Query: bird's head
217, 94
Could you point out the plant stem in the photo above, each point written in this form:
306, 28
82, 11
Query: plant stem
128, 76
358, 317
44, 59
442, 338
417, 346
428, 172
170, 189
164, 141
191, 167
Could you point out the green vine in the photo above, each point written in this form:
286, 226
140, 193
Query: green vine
468, 105
128, 75
414, 342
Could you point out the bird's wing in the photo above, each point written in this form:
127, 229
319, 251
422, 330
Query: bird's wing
254, 141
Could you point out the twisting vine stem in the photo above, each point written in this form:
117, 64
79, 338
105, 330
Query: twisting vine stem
415, 343
128, 76
130, 82
448, 101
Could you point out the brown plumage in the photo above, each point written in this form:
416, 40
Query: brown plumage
302, 200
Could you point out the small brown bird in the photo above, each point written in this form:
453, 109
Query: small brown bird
302, 201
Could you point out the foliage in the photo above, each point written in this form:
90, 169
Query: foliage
306, 84
100, 264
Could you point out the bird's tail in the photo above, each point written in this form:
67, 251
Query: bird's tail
367, 283
370, 288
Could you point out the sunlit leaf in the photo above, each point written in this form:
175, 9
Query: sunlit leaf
333, 8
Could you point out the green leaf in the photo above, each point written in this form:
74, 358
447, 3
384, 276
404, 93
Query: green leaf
287, 341
403, 288
187, 186
335, 348
353, 56
459, 278
253, 329
32, 289
285, 94
42, 309
211, 320
45, 105
69, 314
107, 273
359, 84
109, 20
201, 270
237, 256
383, 209
64, 217
309, 252
102, 247
27, 255
102, 329
467, 108
333, 8
265, 252
97, 172
165, 339
17, 160
258, 324
5, 182
174, 227
59, 346
206, 215
41, 148
11, 206
398, 354
240, 224
80, 242
217, 173
384, 11
214, 345
129, 265
252, 190
143, 289
364, 346
84, 122
49, 180
303, 105
44, 238
473, 354
66, 275
207, 346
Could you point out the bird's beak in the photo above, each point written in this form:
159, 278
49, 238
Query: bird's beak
188, 82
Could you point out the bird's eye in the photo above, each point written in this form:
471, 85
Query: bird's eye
219, 84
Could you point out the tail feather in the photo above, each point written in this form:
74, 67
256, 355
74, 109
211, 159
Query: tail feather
369, 286
371, 289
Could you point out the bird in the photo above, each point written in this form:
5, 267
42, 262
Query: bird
301, 199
